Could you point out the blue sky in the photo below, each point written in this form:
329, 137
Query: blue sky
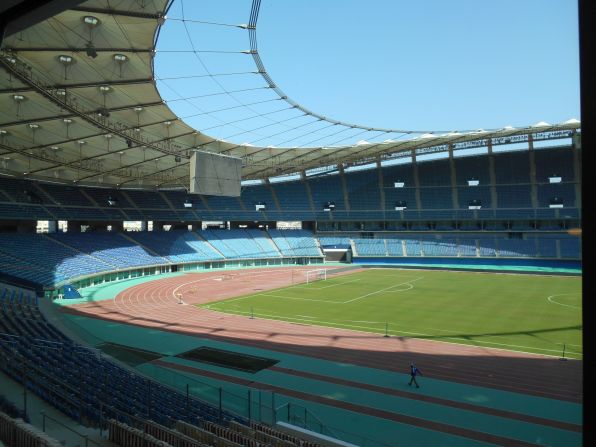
424, 65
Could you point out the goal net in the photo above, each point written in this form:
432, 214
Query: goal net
316, 275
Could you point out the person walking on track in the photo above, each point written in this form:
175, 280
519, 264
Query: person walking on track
414, 371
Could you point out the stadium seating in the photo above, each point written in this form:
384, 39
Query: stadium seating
238, 244
113, 249
21, 199
363, 190
334, 241
394, 247
90, 388
176, 245
370, 247
295, 242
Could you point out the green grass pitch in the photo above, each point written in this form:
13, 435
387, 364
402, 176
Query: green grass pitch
530, 313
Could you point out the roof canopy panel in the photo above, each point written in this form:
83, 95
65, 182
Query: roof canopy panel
79, 103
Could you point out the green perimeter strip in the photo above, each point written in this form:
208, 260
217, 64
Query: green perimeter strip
349, 426
509, 268
170, 344
109, 290
470, 420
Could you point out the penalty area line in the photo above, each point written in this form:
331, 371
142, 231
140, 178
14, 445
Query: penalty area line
383, 290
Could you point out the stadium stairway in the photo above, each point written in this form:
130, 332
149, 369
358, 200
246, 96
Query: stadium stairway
204, 239
353, 245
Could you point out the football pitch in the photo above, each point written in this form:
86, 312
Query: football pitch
519, 312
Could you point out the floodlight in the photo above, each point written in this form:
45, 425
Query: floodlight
261, 206
65, 59
91, 21
188, 203
398, 184
554, 178
473, 181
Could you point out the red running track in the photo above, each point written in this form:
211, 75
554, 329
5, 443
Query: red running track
155, 305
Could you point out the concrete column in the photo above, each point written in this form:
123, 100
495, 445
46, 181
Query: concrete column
117, 226
577, 171
381, 184
27, 226
492, 175
344, 186
454, 194
416, 180
52, 226
534, 190
74, 226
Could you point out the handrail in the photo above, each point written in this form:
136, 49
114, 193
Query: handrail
85, 437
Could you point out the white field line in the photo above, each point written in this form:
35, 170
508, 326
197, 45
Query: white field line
325, 301
384, 290
478, 272
325, 287
550, 299
414, 334
298, 298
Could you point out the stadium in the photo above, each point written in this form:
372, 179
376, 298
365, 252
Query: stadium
173, 276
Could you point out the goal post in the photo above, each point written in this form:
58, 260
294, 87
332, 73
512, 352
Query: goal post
316, 275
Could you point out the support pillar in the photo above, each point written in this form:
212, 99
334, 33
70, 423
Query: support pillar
74, 226
52, 226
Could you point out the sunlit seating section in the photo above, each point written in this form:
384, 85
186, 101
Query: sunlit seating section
295, 242
394, 247
439, 248
334, 241
232, 243
265, 243
176, 245
467, 247
412, 247
370, 247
